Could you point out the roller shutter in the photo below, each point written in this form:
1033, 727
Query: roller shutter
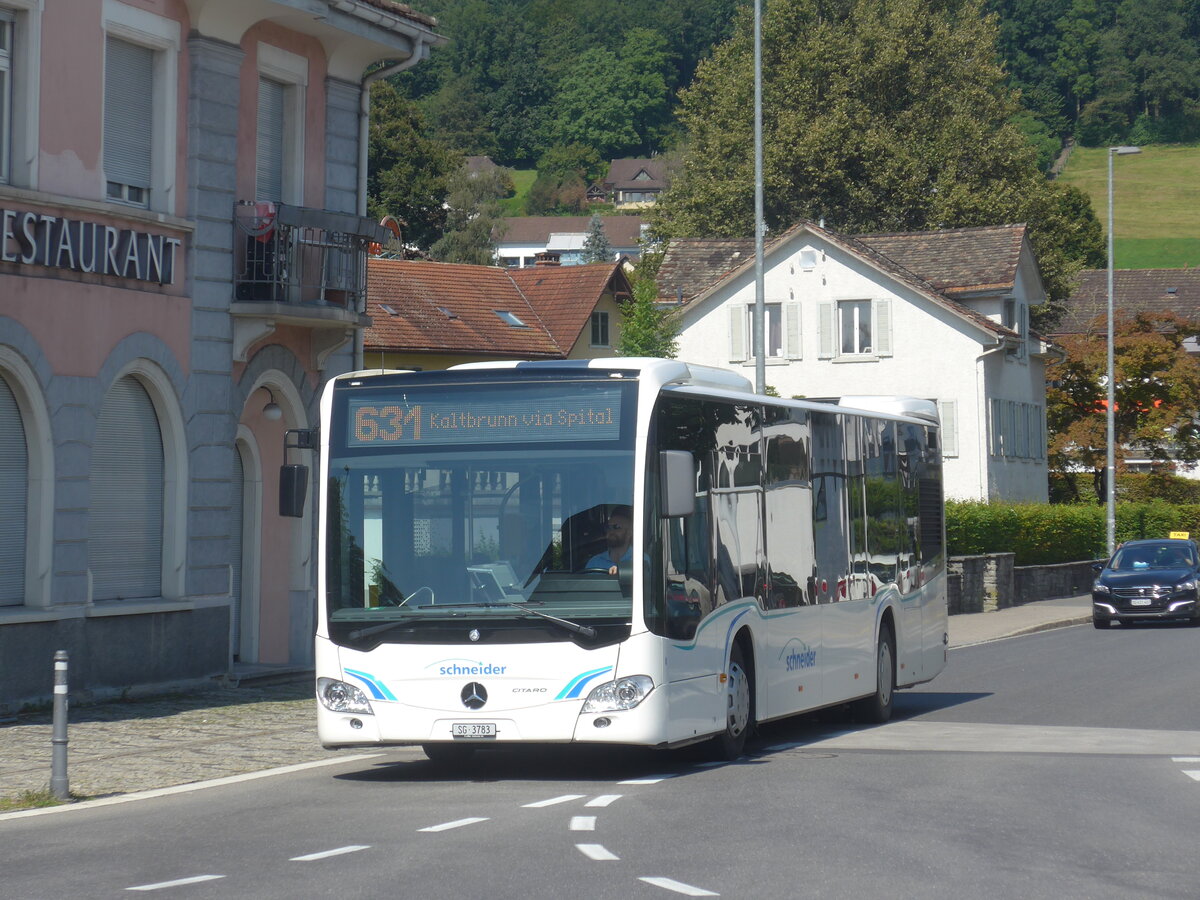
125, 526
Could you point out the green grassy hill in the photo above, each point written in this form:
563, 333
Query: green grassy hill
1156, 202
523, 180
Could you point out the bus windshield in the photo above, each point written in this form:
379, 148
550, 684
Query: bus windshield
466, 512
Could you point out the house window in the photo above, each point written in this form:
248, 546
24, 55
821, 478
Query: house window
772, 328
854, 326
269, 144
141, 52
510, 318
600, 329
279, 133
6, 117
128, 121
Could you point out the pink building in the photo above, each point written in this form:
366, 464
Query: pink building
183, 250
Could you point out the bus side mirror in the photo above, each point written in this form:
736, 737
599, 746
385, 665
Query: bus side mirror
678, 470
293, 490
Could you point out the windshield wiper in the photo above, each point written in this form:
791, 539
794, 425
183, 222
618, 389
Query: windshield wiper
586, 630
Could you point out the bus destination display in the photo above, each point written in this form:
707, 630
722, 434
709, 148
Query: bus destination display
408, 418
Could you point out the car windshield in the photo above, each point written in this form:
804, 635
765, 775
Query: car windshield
485, 521
1152, 556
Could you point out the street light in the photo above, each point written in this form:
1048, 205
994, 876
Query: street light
1110, 470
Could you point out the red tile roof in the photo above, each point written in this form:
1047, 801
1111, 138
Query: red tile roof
621, 231
692, 267
444, 307
1134, 291
565, 296
956, 260
401, 9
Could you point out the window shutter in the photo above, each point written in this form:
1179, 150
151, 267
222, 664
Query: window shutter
269, 149
826, 327
125, 524
14, 487
948, 413
791, 324
881, 332
128, 112
737, 332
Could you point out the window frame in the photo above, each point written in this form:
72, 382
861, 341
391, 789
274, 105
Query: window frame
600, 334
290, 70
161, 36
19, 129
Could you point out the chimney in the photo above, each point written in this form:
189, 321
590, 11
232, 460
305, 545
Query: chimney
547, 258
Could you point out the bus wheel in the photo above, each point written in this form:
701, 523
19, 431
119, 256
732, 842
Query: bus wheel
449, 753
878, 707
739, 709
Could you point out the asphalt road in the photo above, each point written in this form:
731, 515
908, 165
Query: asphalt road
1061, 764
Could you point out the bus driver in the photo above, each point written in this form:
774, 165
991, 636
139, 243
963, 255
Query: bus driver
619, 535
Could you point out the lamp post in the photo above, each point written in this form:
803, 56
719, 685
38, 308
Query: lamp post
760, 306
1110, 471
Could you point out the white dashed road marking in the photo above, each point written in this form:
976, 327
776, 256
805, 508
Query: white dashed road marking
649, 779
679, 887
458, 823
179, 882
603, 800
325, 854
565, 798
583, 823
596, 851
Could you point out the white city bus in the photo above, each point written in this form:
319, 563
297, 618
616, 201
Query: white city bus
787, 555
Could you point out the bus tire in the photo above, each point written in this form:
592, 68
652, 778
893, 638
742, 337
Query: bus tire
450, 754
878, 707
739, 707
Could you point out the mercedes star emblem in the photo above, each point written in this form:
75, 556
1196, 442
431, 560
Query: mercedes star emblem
474, 695
473, 634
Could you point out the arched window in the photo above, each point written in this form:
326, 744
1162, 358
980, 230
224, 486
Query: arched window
14, 495
125, 527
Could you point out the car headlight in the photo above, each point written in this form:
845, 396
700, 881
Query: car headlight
1188, 585
1100, 588
341, 697
624, 693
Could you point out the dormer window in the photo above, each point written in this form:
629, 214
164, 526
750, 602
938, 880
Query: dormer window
509, 318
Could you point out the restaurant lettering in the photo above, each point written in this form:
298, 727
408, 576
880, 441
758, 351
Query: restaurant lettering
38, 239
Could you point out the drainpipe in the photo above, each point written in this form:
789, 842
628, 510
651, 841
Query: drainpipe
420, 51
981, 390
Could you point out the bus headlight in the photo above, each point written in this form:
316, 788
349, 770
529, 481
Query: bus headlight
624, 693
343, 698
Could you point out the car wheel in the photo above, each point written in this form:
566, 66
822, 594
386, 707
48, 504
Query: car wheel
739, 708
878, 707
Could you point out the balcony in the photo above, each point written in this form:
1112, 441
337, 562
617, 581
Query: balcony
298, 266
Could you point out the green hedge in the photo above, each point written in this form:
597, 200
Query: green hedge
1044, 533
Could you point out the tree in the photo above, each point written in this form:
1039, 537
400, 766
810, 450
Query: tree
647, 329
1156, 389
473, 217
408, 172
596, 248
879, 115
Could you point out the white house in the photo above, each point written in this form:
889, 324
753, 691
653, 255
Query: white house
523, 238
941, 315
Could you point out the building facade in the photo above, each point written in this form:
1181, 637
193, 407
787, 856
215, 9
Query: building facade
182, 267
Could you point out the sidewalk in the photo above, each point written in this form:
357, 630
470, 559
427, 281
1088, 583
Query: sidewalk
123, 747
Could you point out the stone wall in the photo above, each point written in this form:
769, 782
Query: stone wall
990, 581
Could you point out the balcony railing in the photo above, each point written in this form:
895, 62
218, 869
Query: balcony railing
310, 261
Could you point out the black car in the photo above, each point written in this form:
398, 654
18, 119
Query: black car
1151, 580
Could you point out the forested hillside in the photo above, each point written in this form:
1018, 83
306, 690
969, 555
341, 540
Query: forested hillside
564, 86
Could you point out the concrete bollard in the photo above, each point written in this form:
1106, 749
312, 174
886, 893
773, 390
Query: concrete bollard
58, 763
